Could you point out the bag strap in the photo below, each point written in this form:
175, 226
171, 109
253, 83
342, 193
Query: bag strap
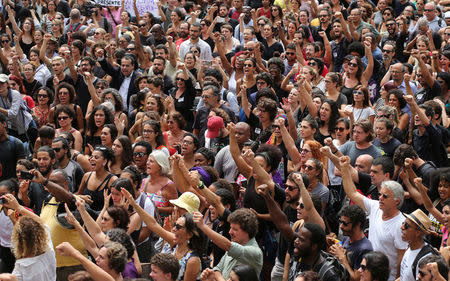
427, 249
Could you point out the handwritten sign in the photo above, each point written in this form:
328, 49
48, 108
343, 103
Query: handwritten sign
142, 6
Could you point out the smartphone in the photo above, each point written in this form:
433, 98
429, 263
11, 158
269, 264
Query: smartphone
26, 175
220, 19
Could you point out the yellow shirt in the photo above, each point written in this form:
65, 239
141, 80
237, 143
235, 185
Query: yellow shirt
61, 234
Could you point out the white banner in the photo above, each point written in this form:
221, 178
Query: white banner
105, 3
142, 6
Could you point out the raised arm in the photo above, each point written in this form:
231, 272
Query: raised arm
369, 69
257, 169
305, 97
422, 116
98, 274
344, 25
150, 221
173, 54
42, 51
289, 143
313, 215
427, 201
12, 19
328, 53
245, 169
348, 184
91, 226
94, 97
219, 240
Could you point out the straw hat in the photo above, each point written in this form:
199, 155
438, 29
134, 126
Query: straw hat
188, 201
420, 219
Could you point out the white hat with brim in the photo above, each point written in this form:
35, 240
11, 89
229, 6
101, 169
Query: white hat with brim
3, 78
188, 201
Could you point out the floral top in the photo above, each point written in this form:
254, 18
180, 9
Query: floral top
183, 261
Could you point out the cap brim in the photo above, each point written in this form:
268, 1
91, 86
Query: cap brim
212, 134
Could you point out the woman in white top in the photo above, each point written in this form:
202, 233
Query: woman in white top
361, 105
32, 245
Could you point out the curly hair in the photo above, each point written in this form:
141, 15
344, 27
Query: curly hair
159, 102
246, 220
399, 96
208, 154
70, 88
378, 265
315, 147
29, 238
91, 126
117, 256
120, 236
356, 215
270, 106
222, 113
271, 154
178, 118
118, 101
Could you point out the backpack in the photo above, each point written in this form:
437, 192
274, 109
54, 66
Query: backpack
427, 249
330, 263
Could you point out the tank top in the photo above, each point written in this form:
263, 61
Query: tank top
97, 194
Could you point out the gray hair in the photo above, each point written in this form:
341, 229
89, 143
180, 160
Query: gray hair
396, 189
422, 22
163, 161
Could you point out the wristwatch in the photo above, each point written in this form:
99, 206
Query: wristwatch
201, 185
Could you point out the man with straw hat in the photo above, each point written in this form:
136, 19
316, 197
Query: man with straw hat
414, 229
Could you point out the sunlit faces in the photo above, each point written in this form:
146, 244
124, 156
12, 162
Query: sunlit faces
105, 136
97, 160
153, 167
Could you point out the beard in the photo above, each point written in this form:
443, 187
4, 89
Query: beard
46, 172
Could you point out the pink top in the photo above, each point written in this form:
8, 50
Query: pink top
113, 13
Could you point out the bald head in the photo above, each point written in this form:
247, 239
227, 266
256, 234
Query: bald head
363, 163
242, 132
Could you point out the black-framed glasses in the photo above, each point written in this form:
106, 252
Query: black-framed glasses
42, 96
428, 10
138, 154
248, 49
389, 24
5, 41
248, 65
385, 115
388, 51
290, 187
57, 149
130, 49
406, 225
301, 150
313, 63
309, 168
178, 226
344, 222
275, 127
148, 131
100, 87
142, 25
180, 79
63, 118
340, 129
290, 53
384, 195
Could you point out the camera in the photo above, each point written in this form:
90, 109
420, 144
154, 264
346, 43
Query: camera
26, 175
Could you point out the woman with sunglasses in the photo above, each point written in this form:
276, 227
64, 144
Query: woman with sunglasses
355, 74
276, 14
386, 13
41, 111
361, 105
65, 95
99, 178
374, 267
64, 114
249, 80
183, 94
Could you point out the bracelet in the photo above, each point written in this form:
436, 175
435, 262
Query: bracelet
334, 152
45, 182
201, 185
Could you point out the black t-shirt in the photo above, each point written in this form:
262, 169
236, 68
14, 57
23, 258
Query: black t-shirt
339, 51
429, 146
283, 246
83, 95
37, 195
388, 148
427, 93
11, 150
32, 87
67, 79
365, 185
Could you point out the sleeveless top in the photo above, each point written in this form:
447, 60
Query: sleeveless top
130, 270
232, 82
157, 197
97, 194
348, 92
42, 117
183, 261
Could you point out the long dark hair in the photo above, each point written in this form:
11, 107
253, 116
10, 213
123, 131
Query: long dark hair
109, 119
334, 114
198, 239
127, 151
156, 126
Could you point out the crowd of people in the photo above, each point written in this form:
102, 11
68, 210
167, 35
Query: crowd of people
294, 140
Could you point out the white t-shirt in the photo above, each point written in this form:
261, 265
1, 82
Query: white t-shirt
361, 113
42, 267
406, 265
386, 236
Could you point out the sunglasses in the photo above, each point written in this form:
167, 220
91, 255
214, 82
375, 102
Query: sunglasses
100, 87
340, 129
5, 41
387, 116
248, 49
428, 10
389, 24
290, 53
387, 51
352, 64
344, 222
358, 93
138, 154
309, 168
178, 226
63, 118
180, 79
42, 96
290, 187
248, 65
406, 225
142, 25
312, 63
384, 195
301, 205
57, 149
130, 49
275, 127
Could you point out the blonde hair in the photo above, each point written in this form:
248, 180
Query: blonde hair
29, 238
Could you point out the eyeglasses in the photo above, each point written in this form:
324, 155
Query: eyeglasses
290, 187
187, 142
385, 115
100, 87
406, 225
195, 52
363, 267
389, 24
422, 273
344, 222
180, 79
340, 129
261, 24
138, 154
5, 41
57, 149
313, 63
130, 49
352, 64
42, 96
428, 10
63, 93
148, 131
142, 25
248, 65
63, 118
261, 83
304, 150
203, 24
447, 34
275, 127
301, 205
388, 51
178, 226
323, 16
206, 96
97, 33
248, 49
384, 195
358, 93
